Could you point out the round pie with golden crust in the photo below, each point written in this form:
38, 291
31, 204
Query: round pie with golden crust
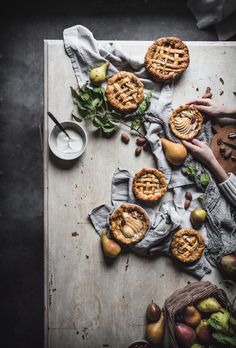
167, 58
149, 184
186, 122
129, 223
125, 91
187, 245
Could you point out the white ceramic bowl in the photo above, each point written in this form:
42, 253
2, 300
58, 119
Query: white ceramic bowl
67, 125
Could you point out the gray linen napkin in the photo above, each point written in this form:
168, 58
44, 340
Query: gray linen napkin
163, 223
85, 53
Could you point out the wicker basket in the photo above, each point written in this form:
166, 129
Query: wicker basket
189, 295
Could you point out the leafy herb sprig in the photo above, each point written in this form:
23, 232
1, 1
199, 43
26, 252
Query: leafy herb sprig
192, 171
90, 103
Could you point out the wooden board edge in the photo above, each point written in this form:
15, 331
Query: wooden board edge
45, 193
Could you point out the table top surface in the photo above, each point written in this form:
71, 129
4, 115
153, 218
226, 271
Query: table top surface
91, 301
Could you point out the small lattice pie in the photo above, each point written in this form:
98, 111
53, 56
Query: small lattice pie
149, 184
186, 122
187, 245
129, 223
167, 58
125, 91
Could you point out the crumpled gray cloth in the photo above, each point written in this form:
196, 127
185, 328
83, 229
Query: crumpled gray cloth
209, 12
85, 53
163, 223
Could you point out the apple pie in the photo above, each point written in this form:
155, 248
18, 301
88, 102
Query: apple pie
149, 184
187, 245
167, 58
129, 223
186, 122
125, 91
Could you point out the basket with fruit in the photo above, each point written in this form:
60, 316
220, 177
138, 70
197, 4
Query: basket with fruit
199, 315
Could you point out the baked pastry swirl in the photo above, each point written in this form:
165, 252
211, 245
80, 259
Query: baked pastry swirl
186, 122
167, 58
129, 223
125, 91
187, 245
149, 184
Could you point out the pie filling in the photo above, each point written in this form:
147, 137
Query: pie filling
186, 122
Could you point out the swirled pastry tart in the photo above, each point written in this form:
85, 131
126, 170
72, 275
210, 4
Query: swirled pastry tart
125, 91
187, 245
167, 58
186, 122
129, 223
149, 184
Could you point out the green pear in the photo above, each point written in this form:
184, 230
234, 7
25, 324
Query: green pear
198, 217
98, 75
110, 247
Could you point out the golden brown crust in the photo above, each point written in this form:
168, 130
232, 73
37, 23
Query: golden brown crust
167, 58
186, 122
125, 91
187, 245
149, 184
129, 223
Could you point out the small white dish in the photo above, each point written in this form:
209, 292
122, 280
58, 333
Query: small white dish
59, 142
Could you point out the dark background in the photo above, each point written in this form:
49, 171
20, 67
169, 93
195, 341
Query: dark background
23, 26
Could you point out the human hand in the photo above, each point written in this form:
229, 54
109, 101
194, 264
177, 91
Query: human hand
204, 154
209, 107
200, 150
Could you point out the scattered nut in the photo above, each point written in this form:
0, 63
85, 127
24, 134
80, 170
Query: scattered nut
234, 93
140, 141
138, 150
197, 89
227, 154
222, 149
146, 147
188, 195
125, 138
221, 92
188, 199
222, 81
207, 93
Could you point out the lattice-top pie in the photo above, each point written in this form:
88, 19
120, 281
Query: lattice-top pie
125, 91
129, 223
187, 245
186, 122
167, 58
149, 184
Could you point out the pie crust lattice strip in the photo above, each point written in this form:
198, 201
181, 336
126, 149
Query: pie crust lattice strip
186, 122
149, 184
187, 245
167, 58
129, 223
125, 91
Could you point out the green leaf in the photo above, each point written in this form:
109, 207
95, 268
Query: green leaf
215, 324
191, 170
145, 104
224, 339
204, 179
136, 124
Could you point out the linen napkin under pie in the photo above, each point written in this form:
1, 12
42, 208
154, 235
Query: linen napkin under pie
85, 53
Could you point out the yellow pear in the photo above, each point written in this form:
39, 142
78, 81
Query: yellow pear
175, 152
155, 331
98, 75
110, 247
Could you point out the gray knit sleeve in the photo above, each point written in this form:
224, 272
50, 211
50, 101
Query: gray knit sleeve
228, 187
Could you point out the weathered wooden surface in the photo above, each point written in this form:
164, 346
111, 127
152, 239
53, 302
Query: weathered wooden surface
90, 302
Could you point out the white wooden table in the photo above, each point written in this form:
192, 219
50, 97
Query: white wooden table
90, 302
